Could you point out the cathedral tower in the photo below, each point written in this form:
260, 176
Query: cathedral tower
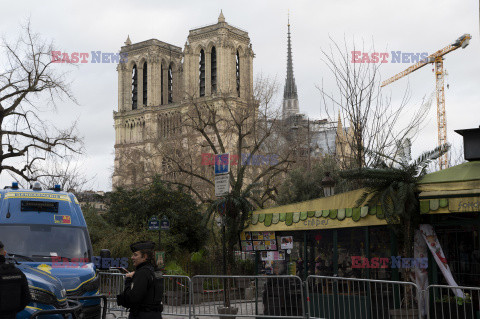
158, 82
218, 60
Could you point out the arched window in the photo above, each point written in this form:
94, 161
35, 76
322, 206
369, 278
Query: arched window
161, 84
213, 69
202, 73
134, 87
170, 84
238, 73
145, 83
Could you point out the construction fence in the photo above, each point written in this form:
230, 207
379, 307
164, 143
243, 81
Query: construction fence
259, 297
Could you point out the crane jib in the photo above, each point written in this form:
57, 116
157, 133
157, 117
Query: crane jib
400, 75
460, 42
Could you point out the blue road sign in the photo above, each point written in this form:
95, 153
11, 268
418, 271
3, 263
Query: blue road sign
165, 224
222, 163
153, 224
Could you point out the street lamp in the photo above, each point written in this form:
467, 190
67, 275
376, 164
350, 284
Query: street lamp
328, 185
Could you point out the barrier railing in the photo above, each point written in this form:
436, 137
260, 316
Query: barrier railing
344, 298
248, 296
103, 299
445, 304
283, 297
177, 299
112, 284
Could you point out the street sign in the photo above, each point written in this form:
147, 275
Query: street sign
222, 163
153, 224
164, 223
222, 185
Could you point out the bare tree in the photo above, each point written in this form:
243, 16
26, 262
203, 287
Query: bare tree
66, 172
375, 123
250, 131
29, 85
182, 154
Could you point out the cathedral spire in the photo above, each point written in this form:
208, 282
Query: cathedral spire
290, 97
339, 126
221, 17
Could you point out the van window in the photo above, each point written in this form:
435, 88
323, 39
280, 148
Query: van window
43, 242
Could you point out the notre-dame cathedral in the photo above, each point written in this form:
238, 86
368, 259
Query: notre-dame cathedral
160, 80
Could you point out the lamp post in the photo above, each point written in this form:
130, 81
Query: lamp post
328, 185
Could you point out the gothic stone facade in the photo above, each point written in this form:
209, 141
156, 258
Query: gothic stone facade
159, 82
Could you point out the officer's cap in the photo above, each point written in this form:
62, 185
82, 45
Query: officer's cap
142, 245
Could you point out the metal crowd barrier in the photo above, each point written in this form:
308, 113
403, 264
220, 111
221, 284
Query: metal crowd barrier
177, 298
283, 297
103, 299
111, 271
112, 284
445, 304
346, 298
248, 296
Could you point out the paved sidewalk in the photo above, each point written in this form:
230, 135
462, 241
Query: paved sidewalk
202, 311
120, 315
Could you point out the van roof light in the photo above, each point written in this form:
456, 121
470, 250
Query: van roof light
37, 186
14, 185
57, 188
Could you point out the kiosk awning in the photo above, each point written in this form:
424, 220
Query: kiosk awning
453, 190
337, 211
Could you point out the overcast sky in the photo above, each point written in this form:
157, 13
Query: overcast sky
407, 26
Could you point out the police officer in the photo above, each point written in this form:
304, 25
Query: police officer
144, 287
14, 292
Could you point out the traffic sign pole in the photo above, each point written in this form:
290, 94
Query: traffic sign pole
222, 176
164, 224
222, 188
159, 239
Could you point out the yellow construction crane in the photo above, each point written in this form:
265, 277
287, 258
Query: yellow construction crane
437, 59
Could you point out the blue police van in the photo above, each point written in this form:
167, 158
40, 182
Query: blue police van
45, 233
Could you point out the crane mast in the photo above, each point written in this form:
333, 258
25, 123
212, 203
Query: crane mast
437, 59
441, 114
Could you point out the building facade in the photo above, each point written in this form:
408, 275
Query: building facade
160, 81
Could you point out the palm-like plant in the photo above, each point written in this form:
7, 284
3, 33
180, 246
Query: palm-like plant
392, 183
236, 212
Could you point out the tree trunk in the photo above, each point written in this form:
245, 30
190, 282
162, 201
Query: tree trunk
228, 286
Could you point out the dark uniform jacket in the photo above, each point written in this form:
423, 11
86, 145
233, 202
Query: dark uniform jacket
14, 292
143, 292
